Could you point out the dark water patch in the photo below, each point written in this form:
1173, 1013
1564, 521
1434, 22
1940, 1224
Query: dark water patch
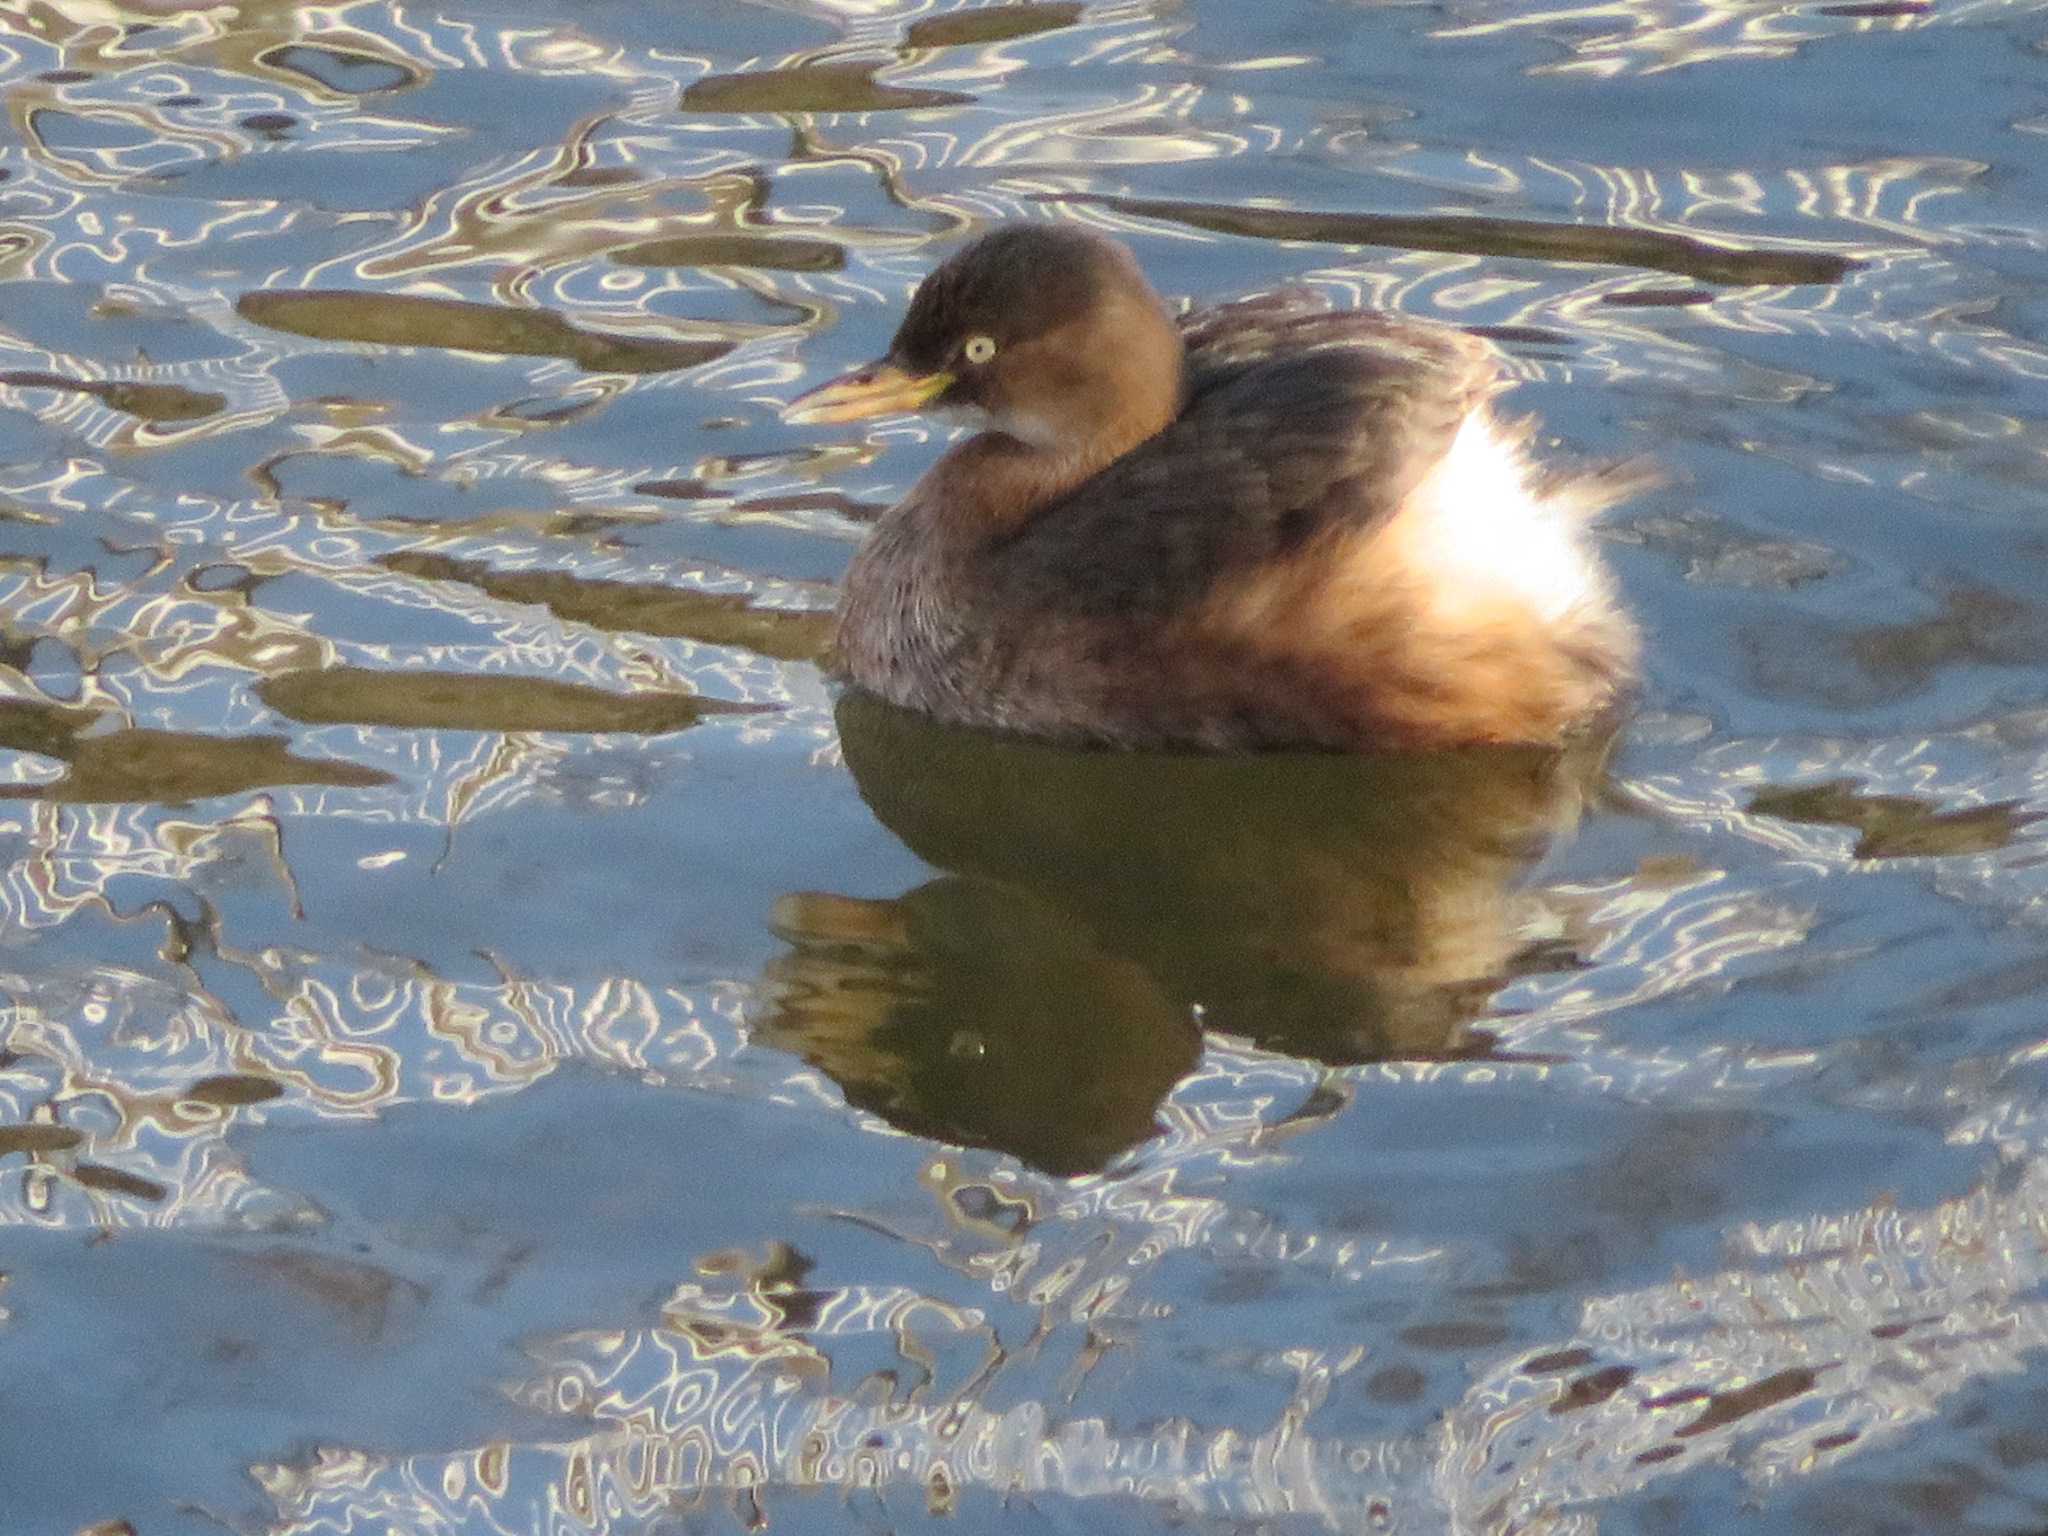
466, 701
1523, 335
593, 525
600, 176
2017, 1448
1237, 1287
234, 1090
1671, 1167
1901, 1328
49, 730
361, 1296
573, 404
1718, 552
36, 1139
1593, 1387
2017, 982
1945, 1496
539, 413
223, 576
118, 1181
714, 618
1601, 244
835, 502
1953, 1342
776, 1281
1556, 1362
781, 253
1454, 1334
1152, 127
1545, 957
460, 325
1974, 625
341, 70
150, 402
139, 765
991, 24
1895, 826
1860, 9
1396, 1383
988, 1206
843, 87
1657, 298
675, 490
1858, 668
1725, 1408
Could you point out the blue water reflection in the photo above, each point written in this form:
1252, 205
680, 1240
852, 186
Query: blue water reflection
457, 1077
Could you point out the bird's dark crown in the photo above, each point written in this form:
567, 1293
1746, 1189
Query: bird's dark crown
1012, 285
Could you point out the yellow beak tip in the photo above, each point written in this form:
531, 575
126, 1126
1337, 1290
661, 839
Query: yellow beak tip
880, 389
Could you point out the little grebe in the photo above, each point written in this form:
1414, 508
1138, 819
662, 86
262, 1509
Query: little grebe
1264, 525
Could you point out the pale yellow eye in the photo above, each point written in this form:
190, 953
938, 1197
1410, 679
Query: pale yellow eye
979, 349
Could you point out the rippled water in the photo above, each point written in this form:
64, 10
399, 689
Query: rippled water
489, 1047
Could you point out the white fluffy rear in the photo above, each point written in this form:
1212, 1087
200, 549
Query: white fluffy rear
1482, 531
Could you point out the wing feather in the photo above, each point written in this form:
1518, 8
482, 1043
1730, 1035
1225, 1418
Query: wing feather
1299, 424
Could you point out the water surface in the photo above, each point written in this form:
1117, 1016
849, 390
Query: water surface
491, 1044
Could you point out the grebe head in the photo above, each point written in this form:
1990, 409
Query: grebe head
1046, 334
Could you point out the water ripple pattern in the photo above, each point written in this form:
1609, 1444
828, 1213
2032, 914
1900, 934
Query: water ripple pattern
492, 1042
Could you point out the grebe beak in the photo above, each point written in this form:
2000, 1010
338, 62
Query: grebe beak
875, 389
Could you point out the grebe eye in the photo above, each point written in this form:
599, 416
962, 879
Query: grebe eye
979, 349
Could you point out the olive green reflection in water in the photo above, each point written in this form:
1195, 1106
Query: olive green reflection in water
1859, 666
970, 1010
151, 402
810, 88
404, 320
1603, 244
990, 24
645, 608
781, 253
1036, 997
37, 1139
233, 1090
1896, 826
160, 767
468, 701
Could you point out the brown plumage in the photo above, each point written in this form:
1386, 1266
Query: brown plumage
1265, 525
